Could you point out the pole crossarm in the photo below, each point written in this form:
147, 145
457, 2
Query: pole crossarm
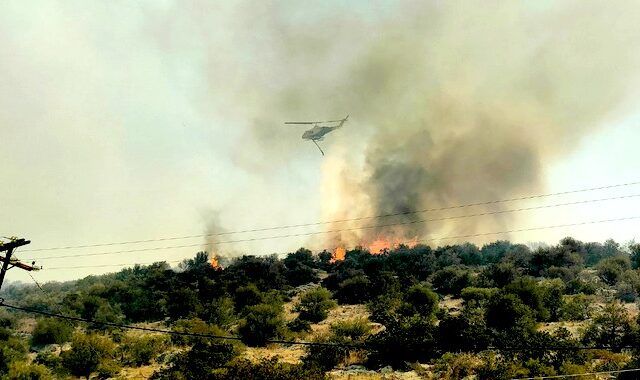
8, 262
13, 244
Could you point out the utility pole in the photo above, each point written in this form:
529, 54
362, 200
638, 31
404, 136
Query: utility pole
7, 262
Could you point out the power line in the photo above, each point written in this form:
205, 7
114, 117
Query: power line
115, 265
533, 228
181, 333
348, 229
402, 242
528, 197
579, 374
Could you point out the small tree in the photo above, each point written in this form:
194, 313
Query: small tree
314, 305
87, 353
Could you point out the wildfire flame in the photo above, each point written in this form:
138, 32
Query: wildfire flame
376, 247
215, 263
338, 254
380, 245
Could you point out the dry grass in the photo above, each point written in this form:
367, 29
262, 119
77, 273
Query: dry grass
139, 373
342, 313
451, 304
349, 375
26, 325
574, 327
290, 354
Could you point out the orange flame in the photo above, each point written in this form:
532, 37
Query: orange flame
338, 254
215, 263
376, 247
380, 245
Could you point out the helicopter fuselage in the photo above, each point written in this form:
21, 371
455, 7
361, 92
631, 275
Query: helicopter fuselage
317, 133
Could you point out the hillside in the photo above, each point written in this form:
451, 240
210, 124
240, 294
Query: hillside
498, 311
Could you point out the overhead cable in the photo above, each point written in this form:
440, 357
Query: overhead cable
527, 197
399, 242
410, 222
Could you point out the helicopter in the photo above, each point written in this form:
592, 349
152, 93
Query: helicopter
319, 130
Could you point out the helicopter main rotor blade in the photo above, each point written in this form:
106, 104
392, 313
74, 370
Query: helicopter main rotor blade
316, 122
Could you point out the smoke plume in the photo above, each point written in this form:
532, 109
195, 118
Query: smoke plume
450, 102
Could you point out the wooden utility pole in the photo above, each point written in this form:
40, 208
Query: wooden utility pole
7, 262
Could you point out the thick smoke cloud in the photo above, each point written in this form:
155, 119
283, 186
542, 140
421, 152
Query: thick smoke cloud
451, 102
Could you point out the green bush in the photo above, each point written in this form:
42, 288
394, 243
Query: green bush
346, 333
87, 353
451, 280
50, 330
611, 327
107, 369
463, 332
626, 292
456, 366
405, 340
421, 300
248, 295
384, 308
25, 371
50, 360
576, 308
314, 305
506, 313
11, 350
611, 270
477, 296
532, 295
261, 323
137, 351
220, 312
194, 325
299, 325
354, 290
199, 362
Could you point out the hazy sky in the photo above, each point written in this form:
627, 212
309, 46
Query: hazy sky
141, 120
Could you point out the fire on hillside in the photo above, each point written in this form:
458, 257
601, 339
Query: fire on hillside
378, 246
